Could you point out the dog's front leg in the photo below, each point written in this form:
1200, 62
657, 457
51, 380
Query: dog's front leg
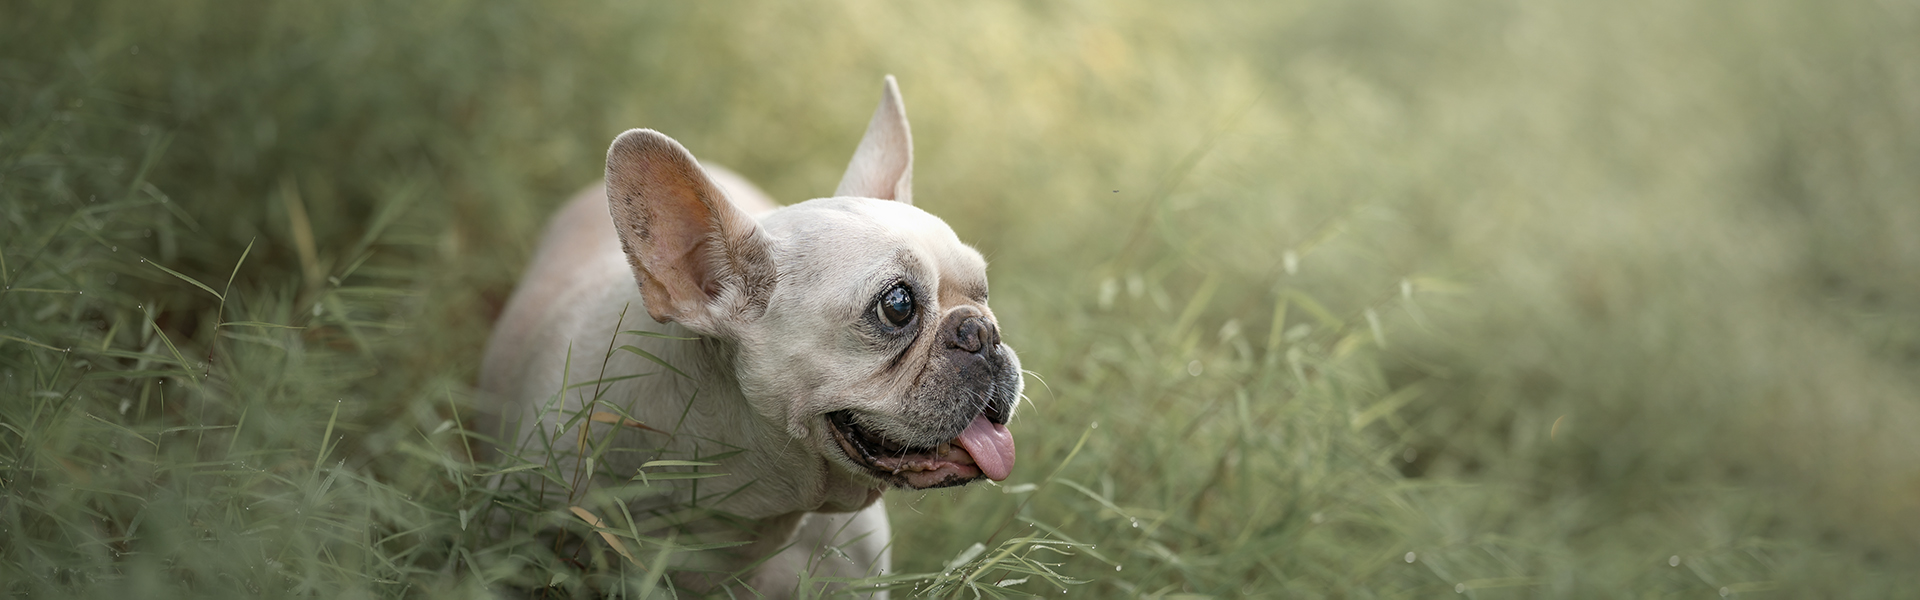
852, 545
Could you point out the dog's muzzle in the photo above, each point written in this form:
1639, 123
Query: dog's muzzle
952, 428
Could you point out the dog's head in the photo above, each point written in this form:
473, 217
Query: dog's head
858, 324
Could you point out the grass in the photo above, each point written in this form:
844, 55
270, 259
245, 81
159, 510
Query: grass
1328, 299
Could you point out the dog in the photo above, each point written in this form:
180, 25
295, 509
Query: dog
825, 351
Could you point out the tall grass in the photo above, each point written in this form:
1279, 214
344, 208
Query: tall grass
1356, 299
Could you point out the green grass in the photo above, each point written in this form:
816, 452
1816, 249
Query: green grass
1328, 299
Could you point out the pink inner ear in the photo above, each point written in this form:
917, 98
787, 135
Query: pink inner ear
678, 259
663, 205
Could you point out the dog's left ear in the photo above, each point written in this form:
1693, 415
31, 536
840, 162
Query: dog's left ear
699, 260
882, 166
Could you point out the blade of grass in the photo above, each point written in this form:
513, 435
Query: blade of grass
258, 324
220, 313
599, 526
656, 360
655, 334
195, 282
325, 439
30, 342
178, 358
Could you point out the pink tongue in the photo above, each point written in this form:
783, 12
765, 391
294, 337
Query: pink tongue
991, 446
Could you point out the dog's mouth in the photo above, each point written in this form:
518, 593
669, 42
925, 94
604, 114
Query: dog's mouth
985, 449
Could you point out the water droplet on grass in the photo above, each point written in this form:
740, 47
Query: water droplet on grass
1459, 588
1116, 567
1724, 591
1673, 561
1411, 557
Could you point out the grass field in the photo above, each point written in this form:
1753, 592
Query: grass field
1381, 298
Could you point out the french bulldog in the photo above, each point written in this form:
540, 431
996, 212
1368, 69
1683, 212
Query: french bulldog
818, 354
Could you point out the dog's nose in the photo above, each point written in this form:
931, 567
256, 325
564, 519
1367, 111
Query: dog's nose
975, 334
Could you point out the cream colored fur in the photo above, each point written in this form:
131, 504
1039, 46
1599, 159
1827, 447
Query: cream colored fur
768, 292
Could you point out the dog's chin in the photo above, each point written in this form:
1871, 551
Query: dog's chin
945, 465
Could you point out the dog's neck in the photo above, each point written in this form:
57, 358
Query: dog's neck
706, 414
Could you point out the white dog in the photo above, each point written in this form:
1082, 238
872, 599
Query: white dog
832, 349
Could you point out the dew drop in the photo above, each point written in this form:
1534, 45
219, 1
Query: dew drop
1116, 567
1411, 557
1459, 588
1673, 561
1724, 591
1136, 522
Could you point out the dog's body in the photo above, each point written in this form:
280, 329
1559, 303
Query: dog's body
827, 350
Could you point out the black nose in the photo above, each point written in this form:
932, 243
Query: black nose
974, 334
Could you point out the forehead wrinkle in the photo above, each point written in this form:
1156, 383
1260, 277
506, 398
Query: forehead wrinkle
822, 234
962, 275
956, 269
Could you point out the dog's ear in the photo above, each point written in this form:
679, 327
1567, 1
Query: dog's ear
882, 166
700, 261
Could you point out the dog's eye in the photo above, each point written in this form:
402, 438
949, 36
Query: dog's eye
896, 306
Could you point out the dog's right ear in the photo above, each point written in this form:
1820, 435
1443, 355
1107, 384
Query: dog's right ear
700, 261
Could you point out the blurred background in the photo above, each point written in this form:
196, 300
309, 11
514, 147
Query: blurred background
1376, 298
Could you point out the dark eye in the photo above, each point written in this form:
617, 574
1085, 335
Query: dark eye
896, 306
